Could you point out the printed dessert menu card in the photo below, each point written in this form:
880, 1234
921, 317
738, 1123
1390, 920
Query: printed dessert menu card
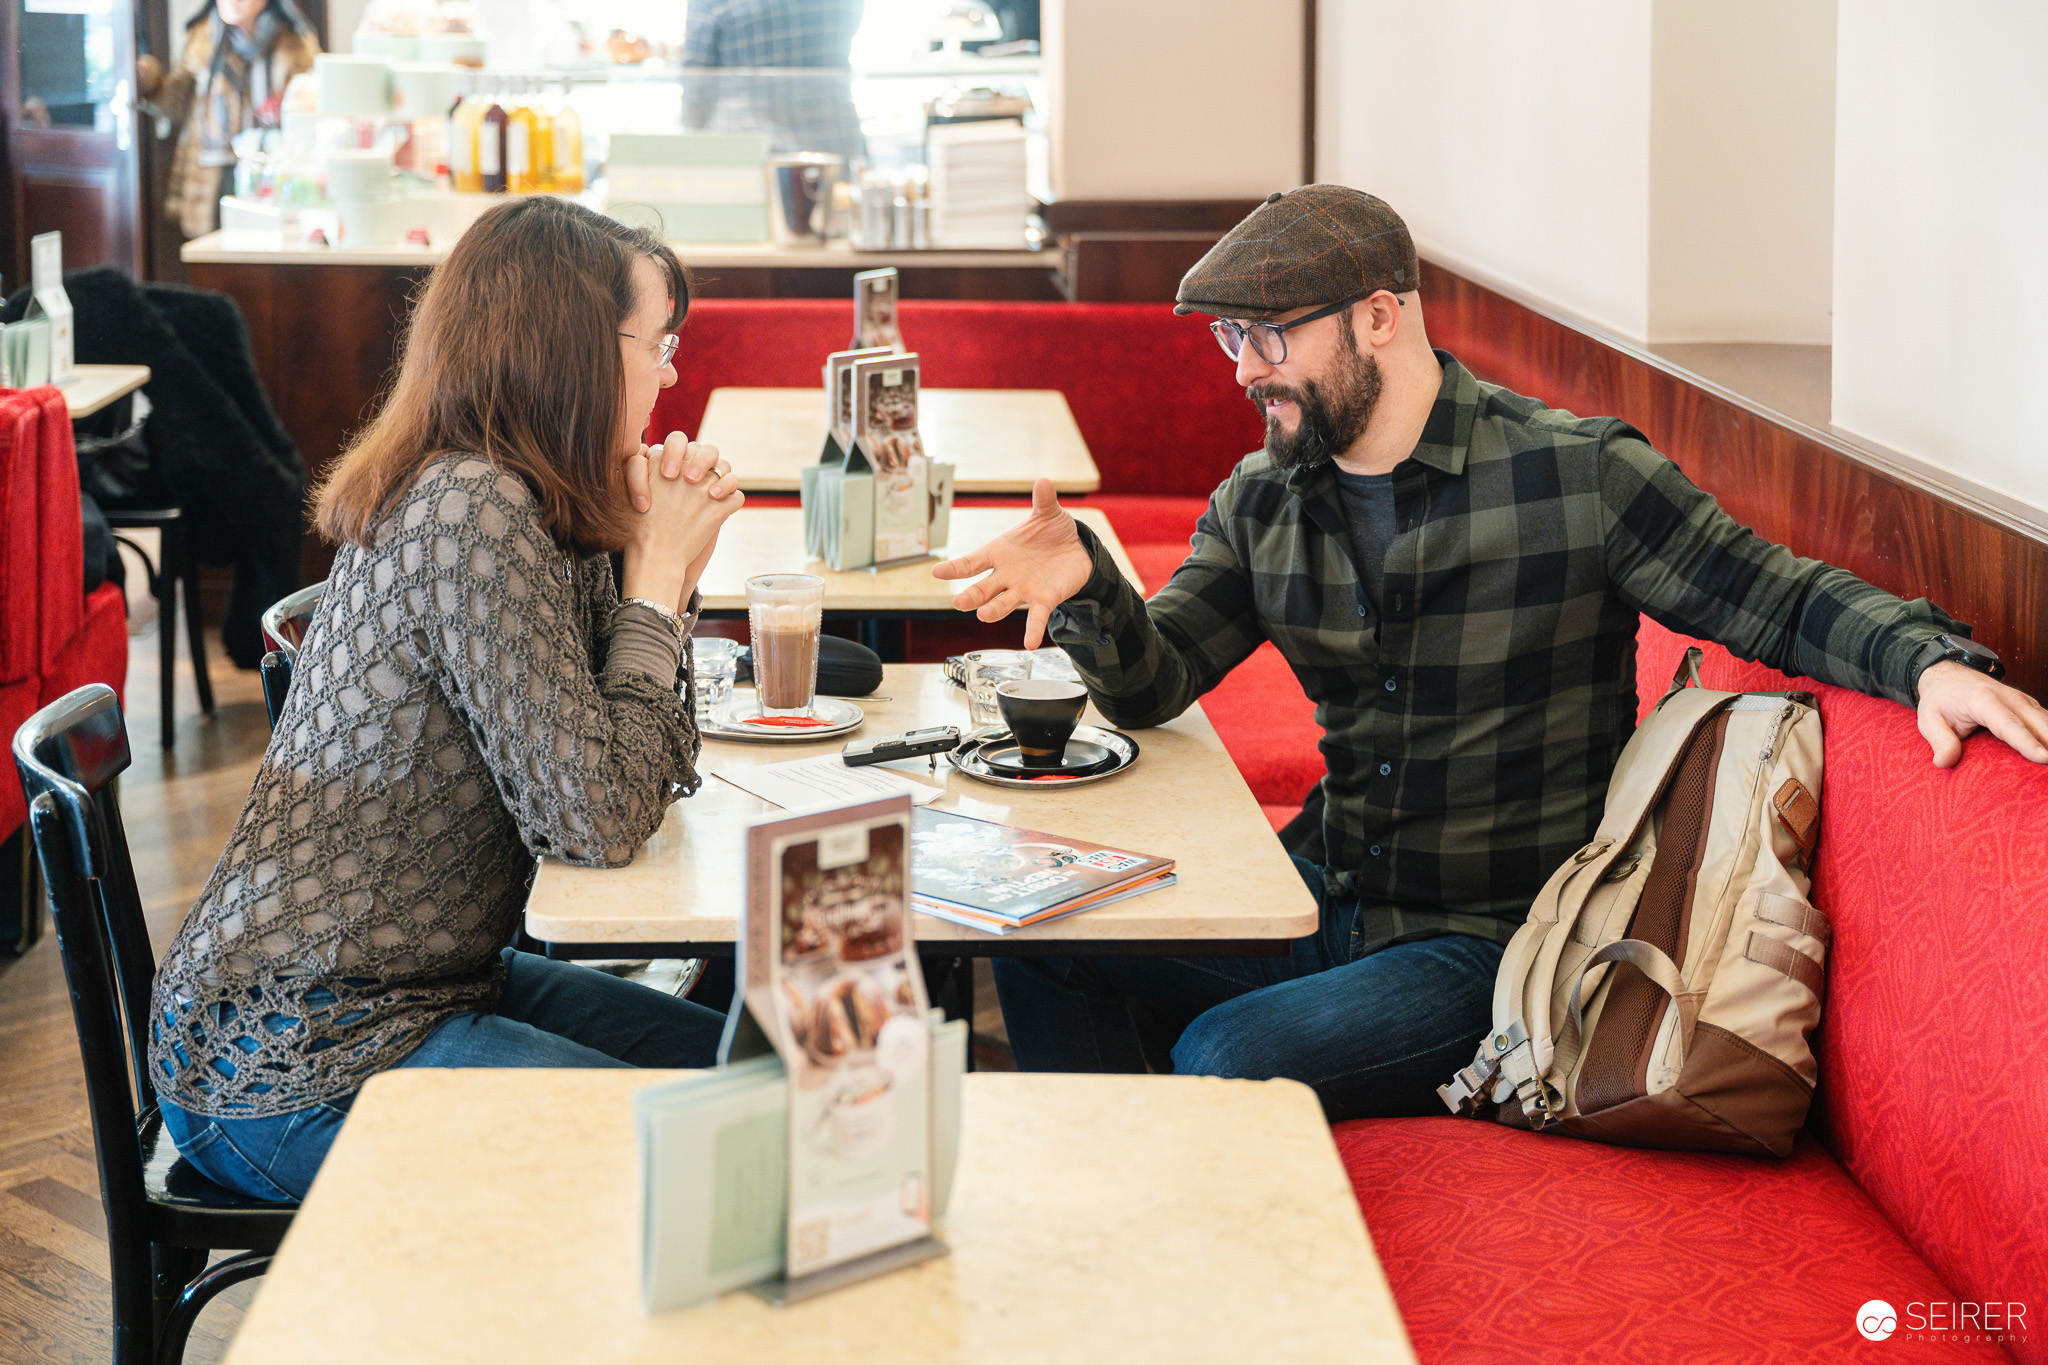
885, 433
822, 1151
832, 986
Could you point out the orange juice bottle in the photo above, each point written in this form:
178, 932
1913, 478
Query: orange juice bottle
528, 162
565, 147
464, 124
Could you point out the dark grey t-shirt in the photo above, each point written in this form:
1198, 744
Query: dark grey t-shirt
1369, 510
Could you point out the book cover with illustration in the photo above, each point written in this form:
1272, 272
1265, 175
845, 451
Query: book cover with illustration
1017, 876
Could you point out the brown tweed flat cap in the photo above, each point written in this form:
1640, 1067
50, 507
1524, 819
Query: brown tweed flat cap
1310, 246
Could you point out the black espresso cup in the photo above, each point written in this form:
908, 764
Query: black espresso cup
1041, 714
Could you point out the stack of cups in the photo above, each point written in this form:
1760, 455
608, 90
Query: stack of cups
786, 611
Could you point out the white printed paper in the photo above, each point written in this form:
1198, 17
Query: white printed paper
823, 780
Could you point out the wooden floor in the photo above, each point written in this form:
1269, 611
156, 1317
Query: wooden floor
179, 808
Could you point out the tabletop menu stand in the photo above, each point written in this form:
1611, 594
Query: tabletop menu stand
822, 1151
875, 498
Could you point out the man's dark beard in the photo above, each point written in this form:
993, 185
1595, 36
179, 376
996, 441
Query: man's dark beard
1327, 425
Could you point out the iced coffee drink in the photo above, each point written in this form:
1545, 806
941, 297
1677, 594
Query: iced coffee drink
785, 612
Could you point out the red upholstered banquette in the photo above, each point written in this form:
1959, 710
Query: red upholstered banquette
1922, 1179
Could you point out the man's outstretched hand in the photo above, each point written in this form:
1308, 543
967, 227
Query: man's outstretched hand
1036, 565
1956, 701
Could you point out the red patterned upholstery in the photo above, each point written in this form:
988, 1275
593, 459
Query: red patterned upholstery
52, 636
1508, 1246
1923, 1172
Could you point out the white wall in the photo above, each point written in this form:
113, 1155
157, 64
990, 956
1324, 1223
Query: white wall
1173, 99
1742, 146
1661, 169
1513, 137
1941, 272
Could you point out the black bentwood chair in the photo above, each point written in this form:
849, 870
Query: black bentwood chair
163, 1216
284, 626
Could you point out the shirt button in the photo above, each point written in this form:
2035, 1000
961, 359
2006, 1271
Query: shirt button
1390, 684
1374, 850
1361, 608
1386, 769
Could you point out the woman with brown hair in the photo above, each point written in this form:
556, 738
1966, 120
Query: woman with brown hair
473, 692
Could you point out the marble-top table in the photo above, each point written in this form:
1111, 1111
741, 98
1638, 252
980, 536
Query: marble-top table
494, 1217
999, 440
93, 387
763, 540
1184, 799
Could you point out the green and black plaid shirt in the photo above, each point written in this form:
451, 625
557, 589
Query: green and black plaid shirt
1470, 724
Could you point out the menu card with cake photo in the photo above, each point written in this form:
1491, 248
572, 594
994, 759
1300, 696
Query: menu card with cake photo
874, 309
832, 986
885, 433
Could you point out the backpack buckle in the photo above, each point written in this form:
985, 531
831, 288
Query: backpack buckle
1468, 1088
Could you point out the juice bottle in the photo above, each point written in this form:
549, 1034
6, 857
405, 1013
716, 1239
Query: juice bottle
526, 144
490, 146
464, 124
566, 147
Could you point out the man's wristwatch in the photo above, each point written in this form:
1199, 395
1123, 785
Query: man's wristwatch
1963, 650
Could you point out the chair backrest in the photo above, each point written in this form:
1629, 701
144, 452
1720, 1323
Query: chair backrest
68, 755
276, 669
285, 621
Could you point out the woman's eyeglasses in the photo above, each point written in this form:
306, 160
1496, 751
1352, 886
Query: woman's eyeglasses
667, 351
1269, 339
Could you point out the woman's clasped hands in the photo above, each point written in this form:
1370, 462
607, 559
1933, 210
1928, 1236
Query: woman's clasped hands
683, 491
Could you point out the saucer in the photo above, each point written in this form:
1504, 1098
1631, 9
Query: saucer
1082, 758
741, 719
973, 754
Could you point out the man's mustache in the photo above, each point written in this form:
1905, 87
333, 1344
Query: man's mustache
1267, 393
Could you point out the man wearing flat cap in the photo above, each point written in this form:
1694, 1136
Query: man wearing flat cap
1455, 573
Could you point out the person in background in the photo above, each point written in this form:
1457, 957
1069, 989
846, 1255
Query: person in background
239, 56
1455, 573
473, 692
809, 109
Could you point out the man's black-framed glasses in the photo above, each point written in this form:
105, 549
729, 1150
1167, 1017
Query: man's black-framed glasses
1269, 339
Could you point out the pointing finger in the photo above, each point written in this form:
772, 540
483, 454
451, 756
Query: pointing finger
1034, 626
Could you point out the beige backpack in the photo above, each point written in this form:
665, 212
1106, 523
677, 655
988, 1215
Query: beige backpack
1663, 988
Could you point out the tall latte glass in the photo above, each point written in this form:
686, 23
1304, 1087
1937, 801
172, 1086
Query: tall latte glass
785, 611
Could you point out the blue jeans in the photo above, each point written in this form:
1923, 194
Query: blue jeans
552, 1014
1373, 1035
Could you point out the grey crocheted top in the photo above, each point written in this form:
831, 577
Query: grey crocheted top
468, 696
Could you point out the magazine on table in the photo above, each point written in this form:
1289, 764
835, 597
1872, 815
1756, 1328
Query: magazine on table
1001, 876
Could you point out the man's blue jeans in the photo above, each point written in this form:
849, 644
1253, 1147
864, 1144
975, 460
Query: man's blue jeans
1372, 1035
552, 1014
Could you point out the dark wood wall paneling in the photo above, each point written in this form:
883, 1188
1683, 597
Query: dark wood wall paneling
1135, 251
1787, 482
